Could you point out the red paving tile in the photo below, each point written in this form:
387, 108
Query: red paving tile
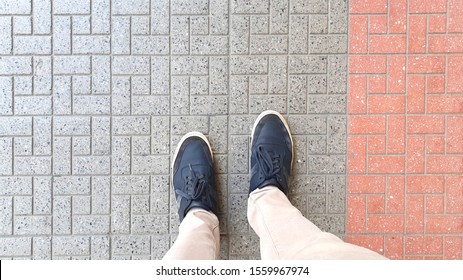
385, 224
387, 44
453, 248
358, 25
356, 156
405, 159
445, 105
454, 195
386, 164
429, 124
374, 243
396, 66
366, 184
356, 213
435, 144
454, 78
397, 16
386, 104
367, 64
358, 86
394, 247
435, 84
378, 24
417, 34
415, 154
435, 204
455, 18
376, 145
426, 64
395, 195
455, 133
445, 44
416, 95
367, 125
396, 134
444, 164
427, 6
377, 84
414, 214
425, 184
437, 24
368, 7
376, 204
444, 224
423, 245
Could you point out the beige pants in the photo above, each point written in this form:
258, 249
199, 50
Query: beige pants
284, 233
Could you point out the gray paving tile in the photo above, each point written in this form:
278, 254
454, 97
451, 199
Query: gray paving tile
131, 245
22, 25
6, 156
41, 248
100, 247
42, 75
42, 199
15, 65
23, 205
101, 21
95, 95
130, 7
70, 245
32, 225
15, 246
23, 146
32, 45
6, 217
16, 7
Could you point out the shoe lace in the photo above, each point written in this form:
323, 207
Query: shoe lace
195, 185
269, 163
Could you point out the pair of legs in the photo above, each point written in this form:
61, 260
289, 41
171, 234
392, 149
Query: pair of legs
283, 231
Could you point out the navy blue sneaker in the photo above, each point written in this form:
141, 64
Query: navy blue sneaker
271, 152
193, 175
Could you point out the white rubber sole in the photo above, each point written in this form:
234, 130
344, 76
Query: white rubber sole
271, 112
185, 137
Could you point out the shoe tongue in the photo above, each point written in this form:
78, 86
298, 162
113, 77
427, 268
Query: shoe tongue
272, 148
270, 139
198, 170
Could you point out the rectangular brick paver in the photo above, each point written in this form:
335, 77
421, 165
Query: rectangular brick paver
405, 156
96, 94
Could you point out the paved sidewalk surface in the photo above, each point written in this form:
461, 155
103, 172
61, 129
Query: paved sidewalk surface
405, 183
94, 96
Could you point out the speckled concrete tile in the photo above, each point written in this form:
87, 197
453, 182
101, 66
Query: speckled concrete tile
95, 94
